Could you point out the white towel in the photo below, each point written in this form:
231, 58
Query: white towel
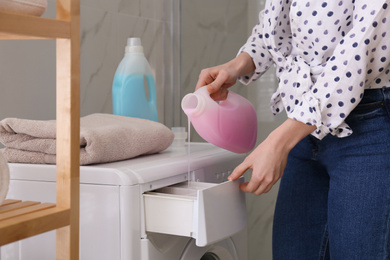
4, 178
103, 138
30, 7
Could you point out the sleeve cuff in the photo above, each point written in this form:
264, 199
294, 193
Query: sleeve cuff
308, 112
260, 66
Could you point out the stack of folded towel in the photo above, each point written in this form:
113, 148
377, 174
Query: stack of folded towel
30, 7
4, 178
103, 138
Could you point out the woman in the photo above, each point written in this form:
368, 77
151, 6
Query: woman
332, 61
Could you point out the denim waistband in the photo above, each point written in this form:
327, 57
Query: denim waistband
374, 98
374, 95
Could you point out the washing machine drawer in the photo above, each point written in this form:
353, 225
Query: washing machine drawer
207, 212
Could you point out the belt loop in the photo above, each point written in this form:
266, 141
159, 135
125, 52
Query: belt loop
385, 91
386, 99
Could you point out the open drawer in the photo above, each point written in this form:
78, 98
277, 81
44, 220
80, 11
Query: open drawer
207, 212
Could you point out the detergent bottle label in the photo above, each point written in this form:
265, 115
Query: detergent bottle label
130, 98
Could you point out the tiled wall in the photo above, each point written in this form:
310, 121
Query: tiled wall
207, 33
27, 68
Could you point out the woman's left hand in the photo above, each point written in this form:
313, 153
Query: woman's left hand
267, 162
269, 159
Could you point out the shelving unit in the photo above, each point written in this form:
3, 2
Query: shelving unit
19, 220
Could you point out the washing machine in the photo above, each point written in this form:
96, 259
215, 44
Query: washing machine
177, 204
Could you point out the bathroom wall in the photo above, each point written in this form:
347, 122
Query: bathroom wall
27, 68
180, 38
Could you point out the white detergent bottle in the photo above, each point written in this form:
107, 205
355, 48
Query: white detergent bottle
133, 87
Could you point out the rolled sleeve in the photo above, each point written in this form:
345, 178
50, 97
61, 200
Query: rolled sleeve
359, 61
268, 44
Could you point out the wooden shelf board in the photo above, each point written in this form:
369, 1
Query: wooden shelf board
9, 201
19, 220
20, 26
28, 207
7, 36
16, 206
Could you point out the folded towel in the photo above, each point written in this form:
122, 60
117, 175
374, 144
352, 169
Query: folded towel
103, 138
30, 7
4, 178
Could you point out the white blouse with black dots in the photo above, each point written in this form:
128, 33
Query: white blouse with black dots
326, 53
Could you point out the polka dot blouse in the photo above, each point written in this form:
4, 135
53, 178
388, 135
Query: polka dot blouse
326, 53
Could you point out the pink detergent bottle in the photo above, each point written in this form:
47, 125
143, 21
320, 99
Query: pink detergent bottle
230, 124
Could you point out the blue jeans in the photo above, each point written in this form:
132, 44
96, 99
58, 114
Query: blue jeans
334, 196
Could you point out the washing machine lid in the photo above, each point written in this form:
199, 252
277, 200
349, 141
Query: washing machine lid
144, 169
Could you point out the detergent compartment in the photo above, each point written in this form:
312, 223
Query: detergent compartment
184, 209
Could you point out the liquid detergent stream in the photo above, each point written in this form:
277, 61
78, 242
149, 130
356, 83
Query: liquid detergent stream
189, 152
180, 141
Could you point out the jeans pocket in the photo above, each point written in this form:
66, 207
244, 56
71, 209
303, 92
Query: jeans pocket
368, 110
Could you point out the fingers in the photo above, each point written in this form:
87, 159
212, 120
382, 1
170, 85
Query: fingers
260, 182
220, 95
258, 186
206, 77
238, 172
217, 82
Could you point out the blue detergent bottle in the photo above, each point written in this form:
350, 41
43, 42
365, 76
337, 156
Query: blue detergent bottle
133, 87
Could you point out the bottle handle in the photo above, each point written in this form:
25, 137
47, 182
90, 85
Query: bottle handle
150, 92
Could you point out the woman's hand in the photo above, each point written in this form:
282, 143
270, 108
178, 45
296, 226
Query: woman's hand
269, 159
218, 79
267, 162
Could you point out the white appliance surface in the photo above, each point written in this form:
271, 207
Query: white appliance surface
115, 224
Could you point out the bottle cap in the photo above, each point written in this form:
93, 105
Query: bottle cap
134, 45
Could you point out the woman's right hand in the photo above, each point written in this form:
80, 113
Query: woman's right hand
218, 79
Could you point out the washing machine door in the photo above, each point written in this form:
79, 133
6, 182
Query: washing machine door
223, 250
